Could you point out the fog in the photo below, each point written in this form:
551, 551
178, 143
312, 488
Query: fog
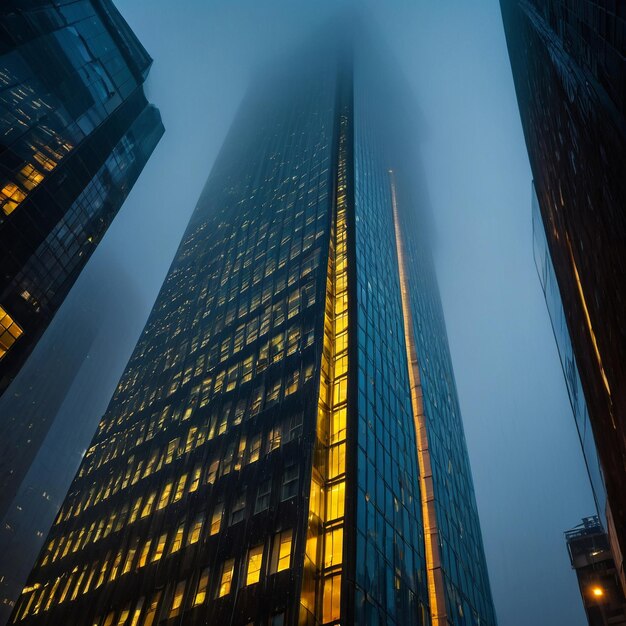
528, 470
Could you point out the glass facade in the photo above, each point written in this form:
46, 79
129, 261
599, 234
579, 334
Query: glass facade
50, 413
550, 287
76, 132
258, 462
569, 70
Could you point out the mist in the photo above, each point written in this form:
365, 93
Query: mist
528, 470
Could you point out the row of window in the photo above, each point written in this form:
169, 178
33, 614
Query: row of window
259, 561
173, 490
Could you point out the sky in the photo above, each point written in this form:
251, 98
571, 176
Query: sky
528, 470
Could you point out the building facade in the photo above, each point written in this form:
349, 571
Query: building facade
600, 587
285, 445
76, 132
50, 413
569, 68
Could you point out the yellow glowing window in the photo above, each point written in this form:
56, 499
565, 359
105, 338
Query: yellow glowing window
124, 616
11, 196
180, 487
152, 609
216, 519
158, 552
255, 560
281, 557
178, 539
10, 332
147, 508
108, 621
130, 557
194, 533
335, 499
337, 460
177, 602
143, 557
165, 496
333, 548
137, 613
195, 481
227, 578
203, 584
331, 609
135, 510
30, 177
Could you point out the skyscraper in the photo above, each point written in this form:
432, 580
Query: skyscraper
570, 75
76, 130
50, 412
285, 445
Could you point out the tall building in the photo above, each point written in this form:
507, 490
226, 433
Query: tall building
600, 588
285, 445
569, 68
76, 130
50, 413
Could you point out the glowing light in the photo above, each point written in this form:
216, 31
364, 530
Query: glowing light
598, 592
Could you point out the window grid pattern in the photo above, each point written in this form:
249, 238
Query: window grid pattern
320, 598
209, 417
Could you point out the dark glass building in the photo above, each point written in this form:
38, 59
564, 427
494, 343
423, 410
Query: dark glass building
569, 67
285, 445
50, 412
75, 132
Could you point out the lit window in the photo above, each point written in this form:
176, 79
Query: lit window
165, 496
158, 552
255, 559
227, 578
10, 332
177, 601
216, 519
281, 554
180, 488
255, 449
203, 583
152, 609
194, 533
147, 507
177, 542
143, 557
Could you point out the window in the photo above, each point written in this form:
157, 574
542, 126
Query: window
216, 519
263, 496
212, 474
254, 449
203, 583
239, 509
177, 542
177, 601
10, 332
227, 578
165, 496
255, 559
143, 557
290, 482
281, 552
152, 609
194, 533
147, 507
137, 613
273, 439
160, 547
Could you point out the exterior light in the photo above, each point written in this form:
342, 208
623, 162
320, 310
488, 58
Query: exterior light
598, 592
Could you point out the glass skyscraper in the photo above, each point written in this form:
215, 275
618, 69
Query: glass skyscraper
75, 132
569, 66
285, 445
